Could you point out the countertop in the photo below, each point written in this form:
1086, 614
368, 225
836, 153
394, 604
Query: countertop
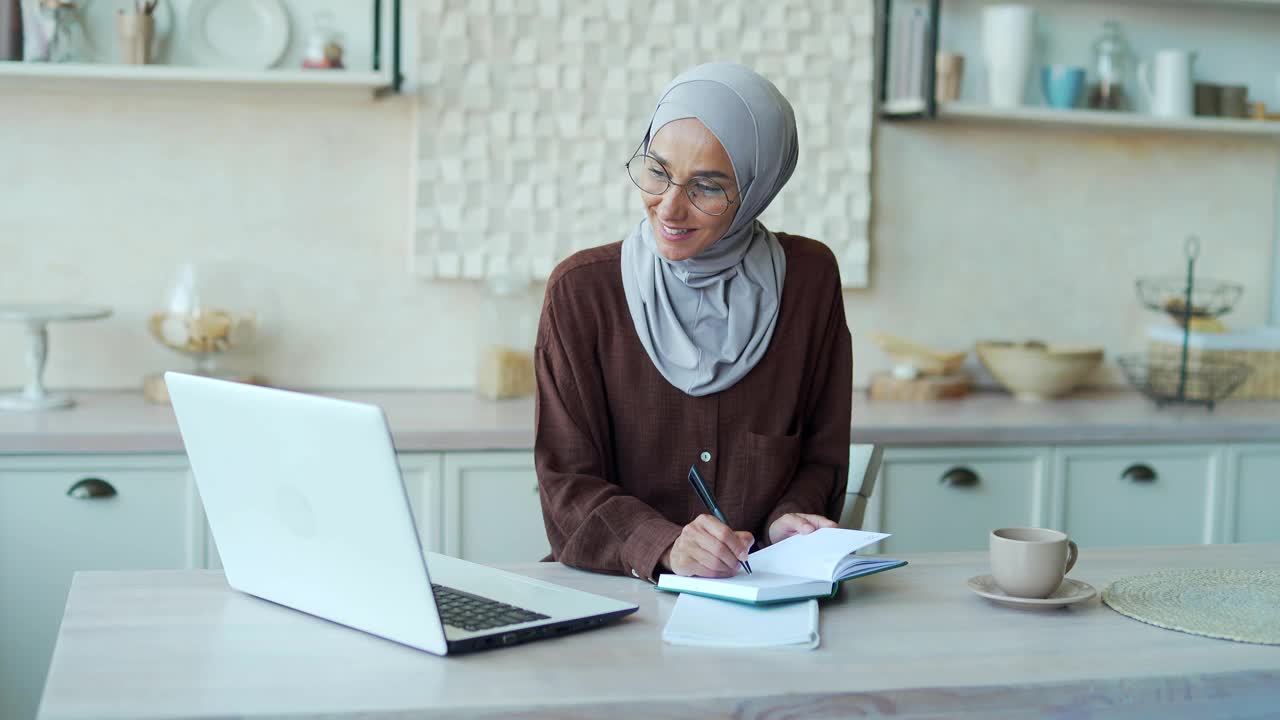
422, 420
910, 643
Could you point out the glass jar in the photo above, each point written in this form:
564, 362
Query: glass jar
210, 310
1111, 59
505, 338
53, 32
324, 44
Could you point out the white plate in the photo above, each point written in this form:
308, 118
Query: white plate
98, 17
246, 34
1068, 593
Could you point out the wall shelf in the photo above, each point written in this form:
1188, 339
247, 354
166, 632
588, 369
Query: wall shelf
1050, 117
380, 60
42, 74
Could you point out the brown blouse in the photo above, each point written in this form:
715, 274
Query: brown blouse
614, 440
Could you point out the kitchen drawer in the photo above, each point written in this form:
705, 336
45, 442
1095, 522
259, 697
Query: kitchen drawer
951, 498
151, 522
492, 513
1143, 495
1254, 493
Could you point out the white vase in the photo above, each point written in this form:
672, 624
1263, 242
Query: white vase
1008, 45
1170, 94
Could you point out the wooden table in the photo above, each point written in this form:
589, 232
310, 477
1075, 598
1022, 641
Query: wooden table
912, 642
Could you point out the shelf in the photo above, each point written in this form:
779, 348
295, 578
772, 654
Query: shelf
1049, 117
44, 73
1210, 4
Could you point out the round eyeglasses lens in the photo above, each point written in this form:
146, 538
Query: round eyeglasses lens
648, 174
707, 195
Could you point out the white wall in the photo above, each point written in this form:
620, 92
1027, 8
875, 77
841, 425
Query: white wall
103, 192
976, 232
992, 232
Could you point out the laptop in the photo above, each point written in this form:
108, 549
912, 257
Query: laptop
305, 501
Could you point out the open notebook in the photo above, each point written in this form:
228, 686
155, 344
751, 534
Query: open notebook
802, 566
706, 622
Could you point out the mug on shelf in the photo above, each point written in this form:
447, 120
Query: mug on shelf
1062, 85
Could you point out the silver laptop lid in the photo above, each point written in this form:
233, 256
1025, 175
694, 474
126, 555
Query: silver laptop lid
304, 498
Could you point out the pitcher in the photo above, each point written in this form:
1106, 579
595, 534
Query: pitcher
1170, 94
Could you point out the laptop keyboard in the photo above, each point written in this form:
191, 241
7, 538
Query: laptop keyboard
472, 612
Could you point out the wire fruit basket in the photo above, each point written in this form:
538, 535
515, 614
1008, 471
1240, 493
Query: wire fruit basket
1208, 298
1168, 380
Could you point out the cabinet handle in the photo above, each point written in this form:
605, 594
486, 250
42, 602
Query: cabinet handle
91, 488
1139, 472
959, 477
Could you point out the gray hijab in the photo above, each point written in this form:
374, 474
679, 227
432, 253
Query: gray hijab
707, 321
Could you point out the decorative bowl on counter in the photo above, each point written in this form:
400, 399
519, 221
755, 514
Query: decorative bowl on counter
1034, 371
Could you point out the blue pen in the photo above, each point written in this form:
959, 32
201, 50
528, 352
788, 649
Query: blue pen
704, 495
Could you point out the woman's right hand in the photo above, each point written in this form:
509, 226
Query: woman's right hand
708, 548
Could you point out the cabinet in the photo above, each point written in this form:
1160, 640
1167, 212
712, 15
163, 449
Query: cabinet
122, 513
492, 513
1252, 494
1137, 495
950, 498
423, 475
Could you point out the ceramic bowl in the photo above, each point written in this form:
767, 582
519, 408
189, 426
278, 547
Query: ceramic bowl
1035, 371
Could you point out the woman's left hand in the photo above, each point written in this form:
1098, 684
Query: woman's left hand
797, 524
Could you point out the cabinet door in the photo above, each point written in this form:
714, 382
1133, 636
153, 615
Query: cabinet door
423, 482
129, 513
1136, 495
951, 498
491, 509
1253, 492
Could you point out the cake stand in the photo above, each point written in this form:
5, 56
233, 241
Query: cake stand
34, 397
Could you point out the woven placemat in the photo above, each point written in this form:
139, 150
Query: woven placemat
1240, 605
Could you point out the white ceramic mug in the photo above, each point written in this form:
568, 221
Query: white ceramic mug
1169, 93
1008, 43
1031, 562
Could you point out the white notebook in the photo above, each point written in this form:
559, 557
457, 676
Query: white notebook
707, 622
802, 566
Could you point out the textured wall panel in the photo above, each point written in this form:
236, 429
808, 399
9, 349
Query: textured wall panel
528, 110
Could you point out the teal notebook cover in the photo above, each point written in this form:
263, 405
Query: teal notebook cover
835, 589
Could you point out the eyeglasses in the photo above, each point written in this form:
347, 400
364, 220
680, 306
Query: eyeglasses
652, 177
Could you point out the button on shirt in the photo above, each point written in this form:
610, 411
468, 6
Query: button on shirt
614, 440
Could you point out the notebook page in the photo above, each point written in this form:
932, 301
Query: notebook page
706, 622
815, 556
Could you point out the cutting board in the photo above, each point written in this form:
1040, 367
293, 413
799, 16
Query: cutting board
925, 388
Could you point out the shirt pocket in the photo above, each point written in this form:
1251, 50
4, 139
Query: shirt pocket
772, 460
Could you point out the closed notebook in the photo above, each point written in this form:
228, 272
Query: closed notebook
802, 566
706, 622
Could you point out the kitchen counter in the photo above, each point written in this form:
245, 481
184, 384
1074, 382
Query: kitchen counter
121, 421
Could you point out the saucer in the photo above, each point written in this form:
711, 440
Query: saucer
1069, 592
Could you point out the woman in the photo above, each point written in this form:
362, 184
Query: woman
702, 339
